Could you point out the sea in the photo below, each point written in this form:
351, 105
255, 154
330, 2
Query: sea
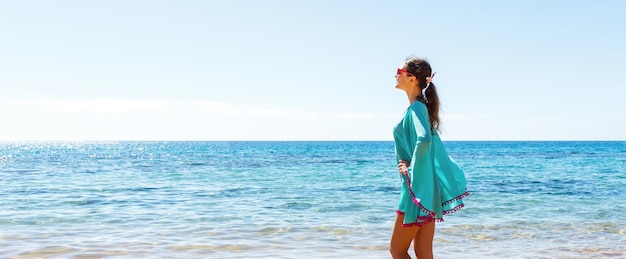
291, 199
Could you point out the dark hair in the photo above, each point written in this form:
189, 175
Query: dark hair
420, 68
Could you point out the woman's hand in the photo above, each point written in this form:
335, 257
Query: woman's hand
403, 167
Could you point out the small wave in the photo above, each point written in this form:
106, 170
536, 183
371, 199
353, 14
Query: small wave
332, 230
341, 161
20, 171
230, 248
83, 202
389, 189
47, 252
341, 231
239, 191
268, 231
604, 228
481, 237
141, 189
377, 248
547, 186
525, 235
198, 164
370, 189
297, 205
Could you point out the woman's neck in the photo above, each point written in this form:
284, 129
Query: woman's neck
413, 95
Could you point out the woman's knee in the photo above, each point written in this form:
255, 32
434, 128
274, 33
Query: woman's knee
398, 252
424, 253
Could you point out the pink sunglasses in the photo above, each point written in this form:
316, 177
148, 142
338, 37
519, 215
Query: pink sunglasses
400, 70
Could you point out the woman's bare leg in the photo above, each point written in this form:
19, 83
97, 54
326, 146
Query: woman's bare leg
423, 242
401, 238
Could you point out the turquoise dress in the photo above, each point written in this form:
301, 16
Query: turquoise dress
435, 184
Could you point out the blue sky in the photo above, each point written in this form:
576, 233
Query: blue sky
308, 70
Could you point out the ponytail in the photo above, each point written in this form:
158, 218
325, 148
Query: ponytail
432, 103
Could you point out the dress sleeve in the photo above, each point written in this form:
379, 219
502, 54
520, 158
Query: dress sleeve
419, 135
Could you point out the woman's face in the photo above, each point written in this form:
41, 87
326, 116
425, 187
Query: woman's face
404, 79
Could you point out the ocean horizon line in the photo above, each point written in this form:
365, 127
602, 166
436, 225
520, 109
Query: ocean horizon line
270, 140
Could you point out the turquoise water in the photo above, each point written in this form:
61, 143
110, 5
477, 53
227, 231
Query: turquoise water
301, 200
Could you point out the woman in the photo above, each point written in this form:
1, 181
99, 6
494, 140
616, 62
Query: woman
432, 183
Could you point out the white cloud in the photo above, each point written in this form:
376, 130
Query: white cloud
128, 119
141, 106
363, 116
458, 116
96, 105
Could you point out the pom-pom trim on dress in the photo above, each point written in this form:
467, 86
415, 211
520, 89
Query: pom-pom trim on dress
431, 215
